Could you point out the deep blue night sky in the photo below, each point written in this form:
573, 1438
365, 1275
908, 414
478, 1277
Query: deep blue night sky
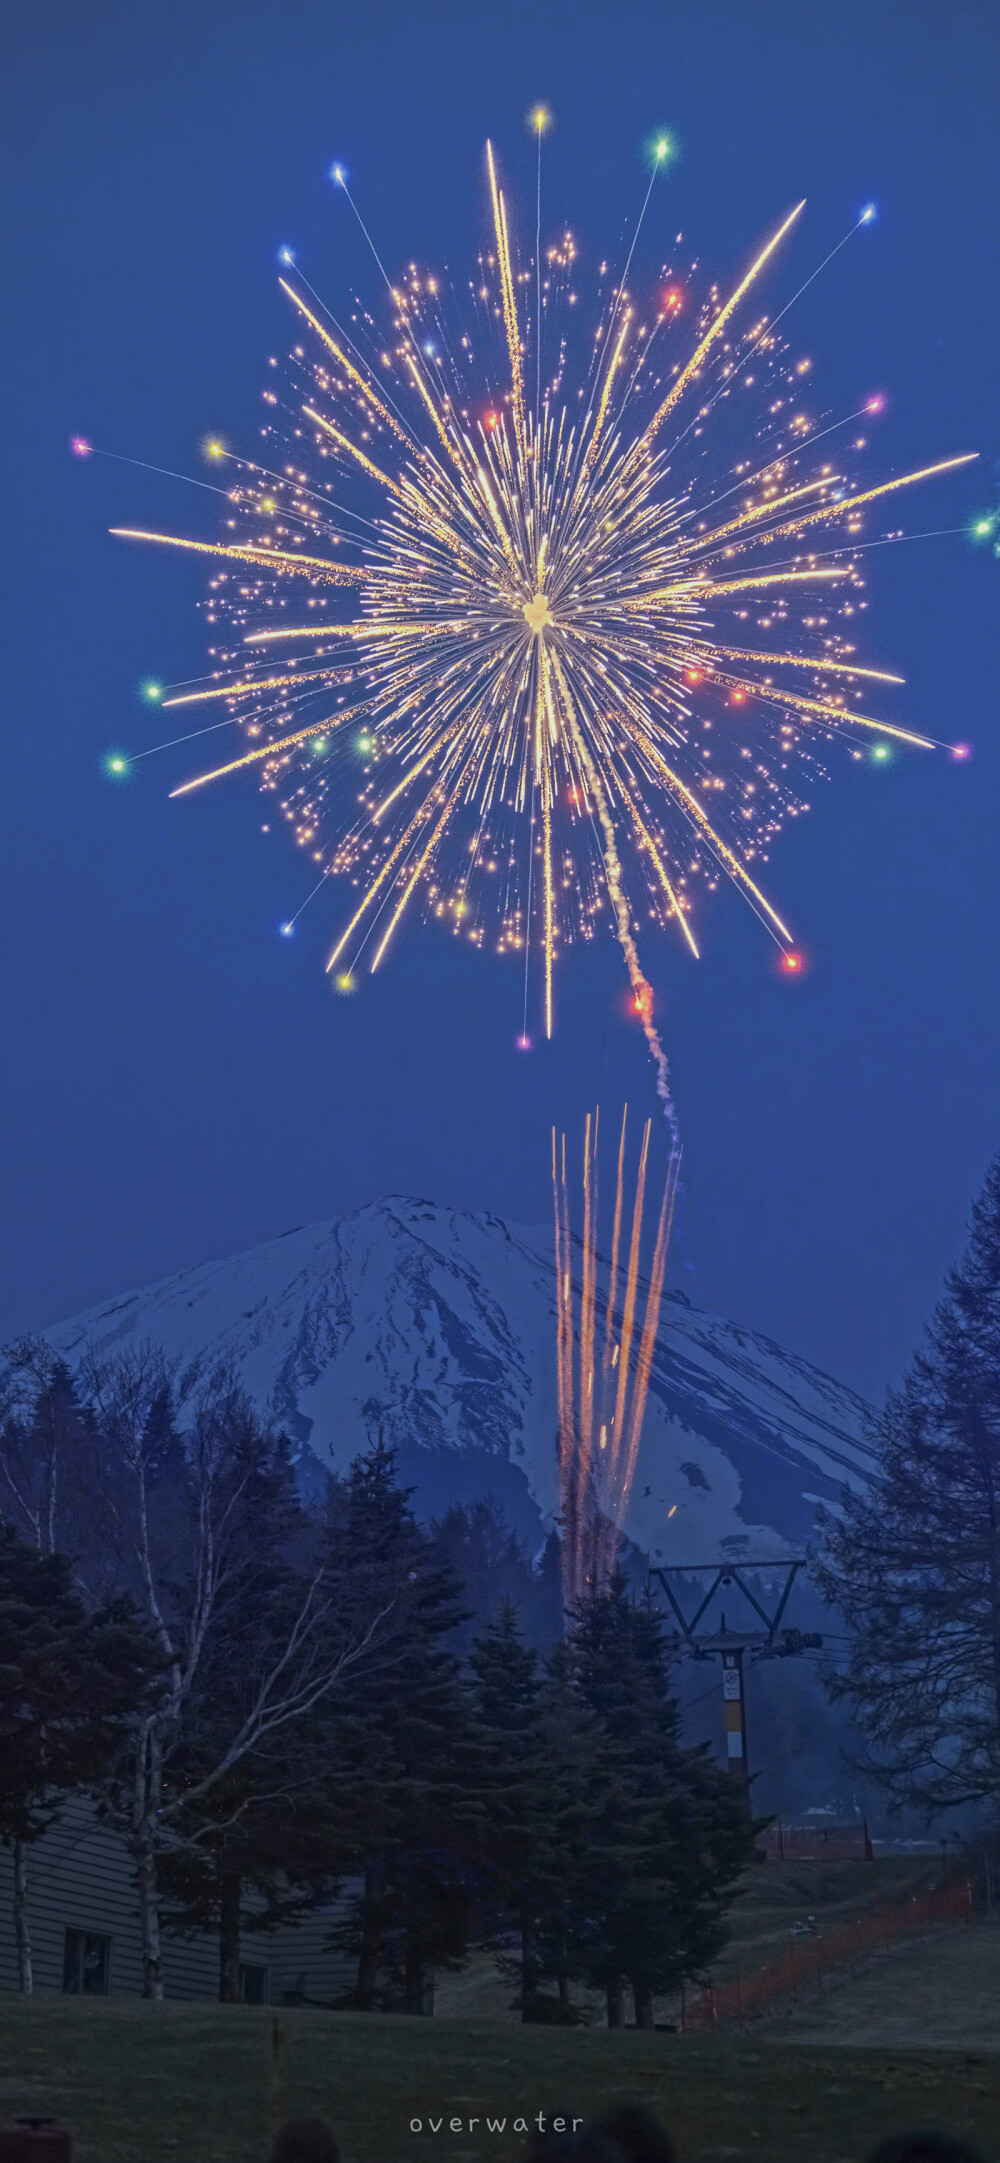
179, 1082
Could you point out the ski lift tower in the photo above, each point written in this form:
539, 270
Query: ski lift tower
697, 1639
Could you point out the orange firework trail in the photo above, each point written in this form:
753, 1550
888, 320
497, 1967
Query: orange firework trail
543, 553
602, 1394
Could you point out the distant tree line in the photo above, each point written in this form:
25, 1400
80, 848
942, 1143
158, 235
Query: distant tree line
269, 1698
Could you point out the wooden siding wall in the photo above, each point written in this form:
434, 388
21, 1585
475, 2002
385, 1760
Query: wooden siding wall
80, 1878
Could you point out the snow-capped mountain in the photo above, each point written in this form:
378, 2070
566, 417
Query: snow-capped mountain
440, 1325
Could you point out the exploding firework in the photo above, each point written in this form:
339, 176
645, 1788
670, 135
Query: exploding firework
530, 650
604, 1349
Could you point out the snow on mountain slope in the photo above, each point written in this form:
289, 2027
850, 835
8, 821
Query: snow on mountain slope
440, 1326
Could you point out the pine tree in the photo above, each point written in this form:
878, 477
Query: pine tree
47, 1448
69, 1681
488, 1561
268, 1861
673, 1836
405, 1757
579, 1804
914, 1562
522, 1864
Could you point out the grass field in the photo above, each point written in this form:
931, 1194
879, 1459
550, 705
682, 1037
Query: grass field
154, 2084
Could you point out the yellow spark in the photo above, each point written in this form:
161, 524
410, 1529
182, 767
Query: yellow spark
509, 303
731, 862
764, 510
343, 360
547, 845
716, 328
606, 392
646, 837
418, 379
615, 1240
415, 876
839, 713
344, 443
692, 589
651, 1321
236, 690
377, 884
270, 558
806, 660
587, 1300
631, 1281
249, 758
871, 495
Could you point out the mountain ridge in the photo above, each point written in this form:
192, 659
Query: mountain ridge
439, 1325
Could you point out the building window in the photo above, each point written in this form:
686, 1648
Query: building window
253, 1983
86, 1963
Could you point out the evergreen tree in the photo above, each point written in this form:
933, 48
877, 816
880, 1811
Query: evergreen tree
405, 1757
673, 1835
47, 1447
577, 1803
268, 1861
69, 1680
489, 1563
914, 1562
522, 1863
546, 1793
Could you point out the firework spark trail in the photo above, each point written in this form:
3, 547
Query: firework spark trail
628, 1308
716, 328
602, 1402
587, 1298
540, 130
848, 504
569, 1487
276, 559
416, 873
732, 862
391, 862
509, 303
560, 1297
641, 988
370, 396
602, 410
258, 683
609, 1316
650, 1325
798, 660
647, 840
831, 713
534, 604
770, 327
549, 894
270, 750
